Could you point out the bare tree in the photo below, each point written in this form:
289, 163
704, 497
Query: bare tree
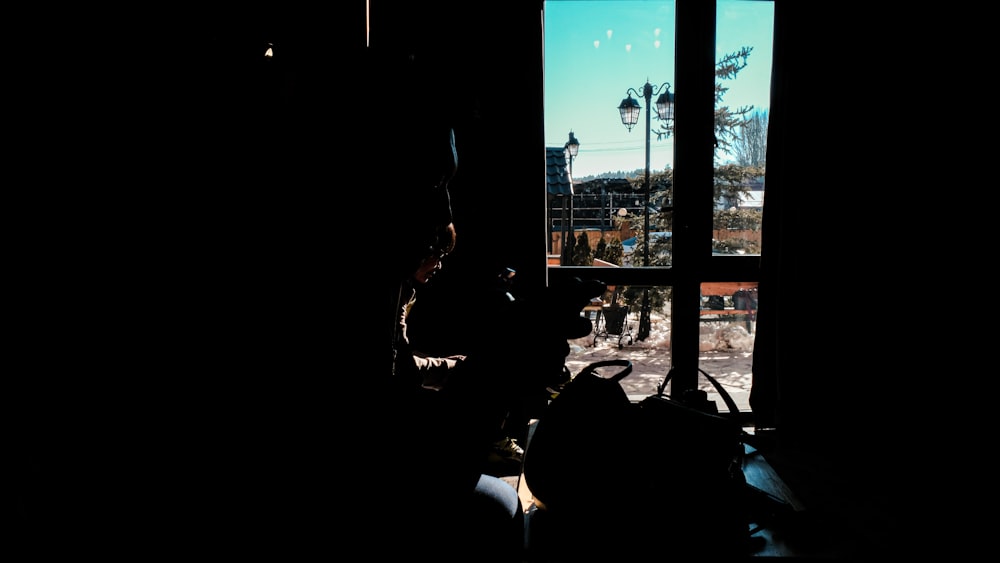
750, 145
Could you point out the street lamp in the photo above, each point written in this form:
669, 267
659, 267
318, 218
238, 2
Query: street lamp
571, 148
629, 110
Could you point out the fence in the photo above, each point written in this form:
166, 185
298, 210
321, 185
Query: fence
626, 232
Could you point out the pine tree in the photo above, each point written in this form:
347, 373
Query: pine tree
602, 250
610, 251
737, 131
728, 121
615, 252
582, 253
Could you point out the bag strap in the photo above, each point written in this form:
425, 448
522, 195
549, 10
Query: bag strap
626, 366
589, 370
726, 398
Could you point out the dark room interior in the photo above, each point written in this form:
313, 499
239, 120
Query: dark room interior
222, 405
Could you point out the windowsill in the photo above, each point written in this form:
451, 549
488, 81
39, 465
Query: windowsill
741, 398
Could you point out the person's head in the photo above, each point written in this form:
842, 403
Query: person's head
420, 207
442, 245
414, 156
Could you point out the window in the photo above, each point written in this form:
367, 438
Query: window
689, 174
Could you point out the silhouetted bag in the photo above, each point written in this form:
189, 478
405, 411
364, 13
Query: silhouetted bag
693, 455
697, 439
581, 442
670, 468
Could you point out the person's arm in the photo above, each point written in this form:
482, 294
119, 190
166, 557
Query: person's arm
435, 370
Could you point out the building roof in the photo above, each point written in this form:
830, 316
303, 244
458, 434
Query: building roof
556, 172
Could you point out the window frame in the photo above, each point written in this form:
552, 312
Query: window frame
694, 165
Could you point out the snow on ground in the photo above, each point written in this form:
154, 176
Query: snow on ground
726, 354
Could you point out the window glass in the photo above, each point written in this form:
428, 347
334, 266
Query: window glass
744, 37
610, 189
617, 319
727, 321
599, 57
728, 318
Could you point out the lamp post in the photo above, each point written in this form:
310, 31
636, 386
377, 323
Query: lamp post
572, 148
629, 110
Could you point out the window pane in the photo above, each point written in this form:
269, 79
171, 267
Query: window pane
617, 320
599, 213
727, 322
599, 56
744, 36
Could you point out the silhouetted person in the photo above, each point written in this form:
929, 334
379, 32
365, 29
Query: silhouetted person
436, 500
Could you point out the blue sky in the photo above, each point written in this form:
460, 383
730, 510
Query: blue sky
595, 50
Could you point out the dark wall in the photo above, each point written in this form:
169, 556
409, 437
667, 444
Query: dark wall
844, 400
197, 353
180, 349
841, 368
